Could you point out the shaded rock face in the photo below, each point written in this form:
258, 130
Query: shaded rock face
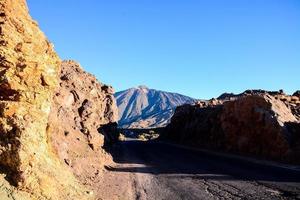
297, 93
196, 126
81, 105
29, 77
257, 124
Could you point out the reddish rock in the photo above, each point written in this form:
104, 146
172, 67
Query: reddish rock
256, 125
256, 122
29, 76
81, 106
46, 129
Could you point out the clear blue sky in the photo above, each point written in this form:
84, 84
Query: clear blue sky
199, 48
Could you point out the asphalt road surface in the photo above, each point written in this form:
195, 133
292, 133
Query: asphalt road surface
163, 171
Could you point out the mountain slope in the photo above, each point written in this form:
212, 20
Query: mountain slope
142, 107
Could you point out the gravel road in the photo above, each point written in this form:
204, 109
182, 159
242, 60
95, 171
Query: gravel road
163, 171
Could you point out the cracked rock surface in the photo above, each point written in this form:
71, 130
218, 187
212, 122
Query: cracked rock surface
31, 166
255, 123
81, 106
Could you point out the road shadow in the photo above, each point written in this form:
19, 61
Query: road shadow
162, 159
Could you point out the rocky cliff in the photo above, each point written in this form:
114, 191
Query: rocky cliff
81, 108
258, 123
30, 157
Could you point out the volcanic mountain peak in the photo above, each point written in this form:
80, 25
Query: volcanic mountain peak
143, 87
142, 107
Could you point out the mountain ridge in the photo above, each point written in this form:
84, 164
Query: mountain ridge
142, 107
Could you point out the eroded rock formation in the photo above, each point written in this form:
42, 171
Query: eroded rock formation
256, 122
81, 106
29, 78
255, 125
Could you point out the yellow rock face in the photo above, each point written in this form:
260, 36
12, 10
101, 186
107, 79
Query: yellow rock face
28, 77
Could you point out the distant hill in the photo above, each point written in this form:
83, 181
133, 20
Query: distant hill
142, 107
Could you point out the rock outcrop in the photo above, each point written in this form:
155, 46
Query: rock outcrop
29, 70
257, 123
81, 106
297, 93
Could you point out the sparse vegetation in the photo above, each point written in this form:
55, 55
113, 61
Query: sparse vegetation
141, 134
142, 137
121, 137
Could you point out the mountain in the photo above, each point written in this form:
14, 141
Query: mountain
142, 107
